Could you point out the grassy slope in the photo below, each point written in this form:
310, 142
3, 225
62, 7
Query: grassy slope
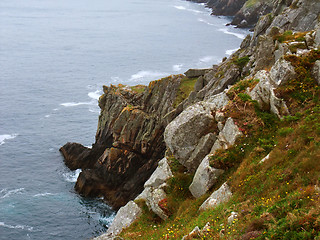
277, 199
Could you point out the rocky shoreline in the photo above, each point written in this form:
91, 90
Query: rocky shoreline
185, 116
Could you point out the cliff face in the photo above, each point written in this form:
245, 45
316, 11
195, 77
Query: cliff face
129, 140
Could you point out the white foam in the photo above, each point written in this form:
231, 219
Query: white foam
180, 7
44, 194
7, 193
226, 31
73, 104
56, 109
204, 21
7, 137
23, 227
95, 95
177, 67
187, 9
142, 75
107, 220
94, 110
47, 116
72, 176
230, 51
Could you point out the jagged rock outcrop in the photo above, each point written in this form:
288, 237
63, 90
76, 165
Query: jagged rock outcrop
129, 141
123, 219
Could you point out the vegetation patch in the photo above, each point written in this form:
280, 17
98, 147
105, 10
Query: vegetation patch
186, 87
138, 88
302, 89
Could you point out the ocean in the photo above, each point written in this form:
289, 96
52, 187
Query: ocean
55, 56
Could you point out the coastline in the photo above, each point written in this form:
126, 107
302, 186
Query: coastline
135, 120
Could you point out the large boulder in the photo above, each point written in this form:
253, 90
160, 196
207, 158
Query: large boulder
182, 135
202, 149
222, 195
123, 219
204, 178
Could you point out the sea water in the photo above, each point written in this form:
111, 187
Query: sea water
55, 56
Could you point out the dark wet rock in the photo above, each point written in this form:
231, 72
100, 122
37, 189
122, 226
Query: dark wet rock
77, 156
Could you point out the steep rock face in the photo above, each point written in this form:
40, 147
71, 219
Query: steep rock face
129, 141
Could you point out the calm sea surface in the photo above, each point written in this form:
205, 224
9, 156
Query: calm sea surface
55, 55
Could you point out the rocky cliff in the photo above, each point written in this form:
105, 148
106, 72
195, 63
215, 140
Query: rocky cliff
129, 139
243, 135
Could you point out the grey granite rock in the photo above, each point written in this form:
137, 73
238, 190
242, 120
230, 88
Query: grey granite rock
204, 178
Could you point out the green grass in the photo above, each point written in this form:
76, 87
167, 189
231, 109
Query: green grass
186, 87
138, 88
